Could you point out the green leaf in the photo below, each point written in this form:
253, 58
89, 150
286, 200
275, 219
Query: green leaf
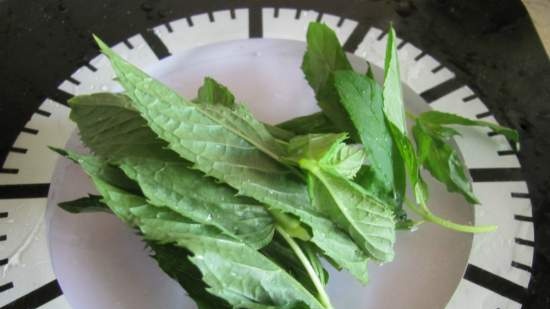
314, 123
102, 169
323, 56
111, 127
312, 253
213, 92
442, 160
322, 296
435, 118
143, 90
233, 271
227, 155
393, 98
107, 180
279, 133
412, 165
362, 98
330, 152
346, 160
165, 178
315, 146
366, 178
175, 262
373, 186
338, 247
279, 252
134, 210
171, 259
173, 184
369, 222
394, 111
91, 203
240, 121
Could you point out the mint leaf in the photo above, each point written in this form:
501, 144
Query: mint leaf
313, 253
315, 146
442, 160
129, 208
111, 127
215, 93
165, 178
412, 165
367, 179
279, 252
329, 151
237, 120
394, 112
175, 262
171, 259
314, 123
91, 203
226, 154
174, 185
233, 271
323, 56
368, 221
346, 160
393, 97
212, 92
100, 168
107, 180
435, 118
363, 100
338, 247
279, 133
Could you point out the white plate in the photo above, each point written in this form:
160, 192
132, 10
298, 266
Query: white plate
100, 263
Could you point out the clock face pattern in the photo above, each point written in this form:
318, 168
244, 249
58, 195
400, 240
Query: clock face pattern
499, 266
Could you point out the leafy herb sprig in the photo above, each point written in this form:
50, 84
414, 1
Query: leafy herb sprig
241, 213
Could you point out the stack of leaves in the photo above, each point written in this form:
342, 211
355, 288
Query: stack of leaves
241, 213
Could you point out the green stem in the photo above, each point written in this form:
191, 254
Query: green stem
459, 227
427, 215
410, 115
323, 297
290, 225
414, 208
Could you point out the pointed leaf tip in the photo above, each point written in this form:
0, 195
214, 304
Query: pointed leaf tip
104, 48
65, 153
60, 151
72, 101
68, 153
